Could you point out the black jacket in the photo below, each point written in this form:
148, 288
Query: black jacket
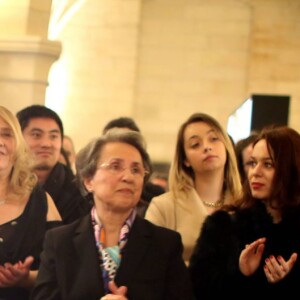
214, 266
62, 188
151, 267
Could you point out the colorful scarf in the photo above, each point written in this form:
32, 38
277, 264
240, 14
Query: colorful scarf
110, 257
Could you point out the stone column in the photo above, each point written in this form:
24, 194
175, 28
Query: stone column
26, 54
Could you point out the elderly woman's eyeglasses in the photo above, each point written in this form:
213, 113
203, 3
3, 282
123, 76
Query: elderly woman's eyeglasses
118, 167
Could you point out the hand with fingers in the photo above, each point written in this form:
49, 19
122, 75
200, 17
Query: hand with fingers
277, 268
15, 274
251, 256
117, 293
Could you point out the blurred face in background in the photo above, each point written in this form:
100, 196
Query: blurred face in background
69, 149
246, 156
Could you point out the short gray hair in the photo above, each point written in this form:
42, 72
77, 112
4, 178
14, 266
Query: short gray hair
88, 157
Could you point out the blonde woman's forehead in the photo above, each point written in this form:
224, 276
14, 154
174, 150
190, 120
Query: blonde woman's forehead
4, 124
199, 129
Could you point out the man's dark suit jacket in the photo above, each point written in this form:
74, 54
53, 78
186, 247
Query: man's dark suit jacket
152, 266
66, 195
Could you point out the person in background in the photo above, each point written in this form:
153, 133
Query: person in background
203, 177
43, 131
121, 122
243, 149
26, 212
64, 158
150, 189
160, 179
254, 245
69, 148
112, 253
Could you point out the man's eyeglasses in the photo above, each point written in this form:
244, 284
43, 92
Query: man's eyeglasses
117, 167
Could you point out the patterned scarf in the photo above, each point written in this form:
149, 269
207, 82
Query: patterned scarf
110, 257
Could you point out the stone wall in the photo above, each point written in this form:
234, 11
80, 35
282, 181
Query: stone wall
158, 61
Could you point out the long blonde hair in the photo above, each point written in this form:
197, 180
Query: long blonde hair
181, 177
22, 178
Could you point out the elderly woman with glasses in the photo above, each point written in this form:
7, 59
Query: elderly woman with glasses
112, 253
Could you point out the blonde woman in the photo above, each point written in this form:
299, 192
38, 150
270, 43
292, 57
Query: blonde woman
26, 212
203, 177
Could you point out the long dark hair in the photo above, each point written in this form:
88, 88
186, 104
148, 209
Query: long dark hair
284, 148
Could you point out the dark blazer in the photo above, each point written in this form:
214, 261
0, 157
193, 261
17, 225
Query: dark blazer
66, 195
214, 265
152, 266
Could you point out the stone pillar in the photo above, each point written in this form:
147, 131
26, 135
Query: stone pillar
26, 54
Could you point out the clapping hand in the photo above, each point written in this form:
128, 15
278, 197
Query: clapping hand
15, 274
250, 257
277, 268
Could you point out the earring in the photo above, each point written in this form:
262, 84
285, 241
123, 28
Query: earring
187, 164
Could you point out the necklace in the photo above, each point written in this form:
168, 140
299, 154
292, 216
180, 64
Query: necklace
214, 204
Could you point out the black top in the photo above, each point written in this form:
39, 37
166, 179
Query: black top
214, 266
62, 188
151, 190
24, 237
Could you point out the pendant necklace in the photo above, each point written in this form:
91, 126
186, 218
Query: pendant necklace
218, 203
